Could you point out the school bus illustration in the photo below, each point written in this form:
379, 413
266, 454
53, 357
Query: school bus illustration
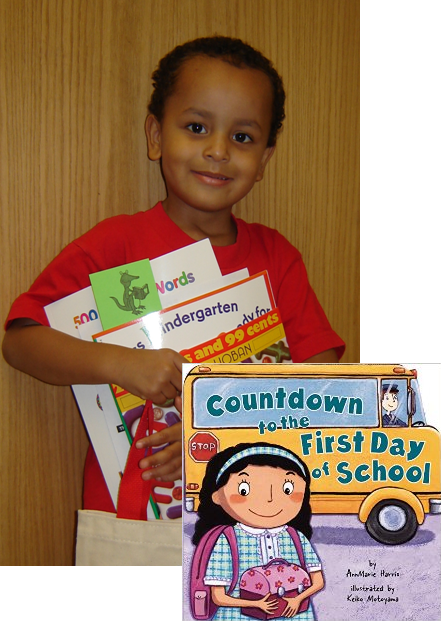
360, 428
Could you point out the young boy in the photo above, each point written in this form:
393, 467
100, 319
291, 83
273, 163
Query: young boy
213, 121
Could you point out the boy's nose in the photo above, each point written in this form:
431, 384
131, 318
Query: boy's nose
217, 148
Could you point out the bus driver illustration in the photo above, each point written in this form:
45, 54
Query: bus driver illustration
389, 404
254, 509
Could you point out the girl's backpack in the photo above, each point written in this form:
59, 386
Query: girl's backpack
202, 606
201, 603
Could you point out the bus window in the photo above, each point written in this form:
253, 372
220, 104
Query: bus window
419, 418
394, 403
287, 403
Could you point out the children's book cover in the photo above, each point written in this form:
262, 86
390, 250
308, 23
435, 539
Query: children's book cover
135, 289
311, 491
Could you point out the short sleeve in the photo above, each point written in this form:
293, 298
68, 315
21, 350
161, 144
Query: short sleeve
307, 328
98, 249
312, 561
220, 565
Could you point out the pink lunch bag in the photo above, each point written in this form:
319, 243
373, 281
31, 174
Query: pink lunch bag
278, 577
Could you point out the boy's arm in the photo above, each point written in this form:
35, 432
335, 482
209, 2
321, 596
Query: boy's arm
330, 355
57, 358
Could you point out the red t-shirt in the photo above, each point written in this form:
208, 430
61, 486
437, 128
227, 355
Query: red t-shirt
150, 234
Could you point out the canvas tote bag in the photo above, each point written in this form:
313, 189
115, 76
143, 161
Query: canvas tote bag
126, 538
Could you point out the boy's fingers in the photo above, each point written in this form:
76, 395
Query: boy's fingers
173, 476
174, 449
169, 380
169, 434
166, 395
178, 403
159, 397
169, 471
167, 454
168, 390
174, 371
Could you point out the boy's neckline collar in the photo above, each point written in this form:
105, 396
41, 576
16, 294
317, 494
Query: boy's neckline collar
229, 257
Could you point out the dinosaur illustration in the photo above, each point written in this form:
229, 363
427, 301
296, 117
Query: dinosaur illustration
131, 294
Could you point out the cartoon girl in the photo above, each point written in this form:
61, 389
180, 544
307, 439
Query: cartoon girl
260, 489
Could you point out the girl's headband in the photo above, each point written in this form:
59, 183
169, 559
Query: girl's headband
260, 450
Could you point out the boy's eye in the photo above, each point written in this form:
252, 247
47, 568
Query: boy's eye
244, 488
197, 128
241, 137
288, 488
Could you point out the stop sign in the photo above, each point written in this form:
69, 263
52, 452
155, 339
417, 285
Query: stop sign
202, 446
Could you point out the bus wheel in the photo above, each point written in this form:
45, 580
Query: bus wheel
392, 522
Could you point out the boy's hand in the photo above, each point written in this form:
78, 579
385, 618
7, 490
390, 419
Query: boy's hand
154, 375
166, 465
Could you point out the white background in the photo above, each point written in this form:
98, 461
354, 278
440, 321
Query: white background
400, 189
400, 180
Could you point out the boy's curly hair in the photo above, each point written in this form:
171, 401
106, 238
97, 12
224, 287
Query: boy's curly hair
233, 51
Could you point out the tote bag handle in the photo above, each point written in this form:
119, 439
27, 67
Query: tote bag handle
134, 493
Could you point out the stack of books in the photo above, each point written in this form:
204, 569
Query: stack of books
179, 301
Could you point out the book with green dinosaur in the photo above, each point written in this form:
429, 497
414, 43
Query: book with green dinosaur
125, 292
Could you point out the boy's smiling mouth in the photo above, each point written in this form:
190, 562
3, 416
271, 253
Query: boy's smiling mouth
211, 178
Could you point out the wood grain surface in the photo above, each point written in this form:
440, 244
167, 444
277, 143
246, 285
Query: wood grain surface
74, 87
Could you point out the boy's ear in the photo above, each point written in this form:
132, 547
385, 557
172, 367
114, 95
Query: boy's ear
153, 134
267, 155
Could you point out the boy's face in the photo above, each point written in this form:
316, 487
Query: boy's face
212, 139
